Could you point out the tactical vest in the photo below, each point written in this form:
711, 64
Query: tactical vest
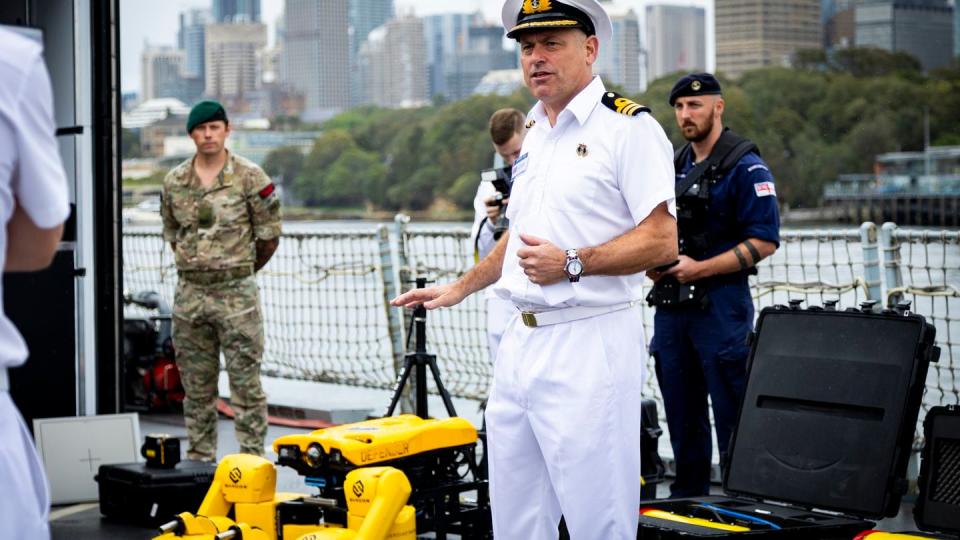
693, 192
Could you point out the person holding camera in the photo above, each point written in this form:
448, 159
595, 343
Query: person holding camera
506, 132
33, 206
221, 215
591, 208
728, 222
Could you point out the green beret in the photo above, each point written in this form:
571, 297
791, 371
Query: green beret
205, 111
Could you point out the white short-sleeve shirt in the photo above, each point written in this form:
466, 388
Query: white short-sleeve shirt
592, 177
31, 173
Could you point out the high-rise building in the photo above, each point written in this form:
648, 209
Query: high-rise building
483, 53
921, 28
675, 40
231, 59
619, 60
160, 72
393, 66
827, 9
364, 16
956, 29
190, 39
236, 11
839, 28
316, 55
447, 35
756, 33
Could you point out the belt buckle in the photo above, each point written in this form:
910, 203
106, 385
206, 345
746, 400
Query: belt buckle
529, 319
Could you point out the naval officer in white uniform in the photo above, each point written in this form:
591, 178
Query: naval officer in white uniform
591, 209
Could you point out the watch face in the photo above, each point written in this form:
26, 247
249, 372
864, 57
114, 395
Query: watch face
574, 268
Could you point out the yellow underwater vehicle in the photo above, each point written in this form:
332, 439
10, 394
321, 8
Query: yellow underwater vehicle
366, 473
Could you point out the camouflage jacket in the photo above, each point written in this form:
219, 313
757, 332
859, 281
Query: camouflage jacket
216, 228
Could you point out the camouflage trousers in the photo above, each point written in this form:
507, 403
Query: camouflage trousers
208, 319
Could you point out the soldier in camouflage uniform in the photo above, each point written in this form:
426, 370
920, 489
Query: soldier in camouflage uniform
222, 219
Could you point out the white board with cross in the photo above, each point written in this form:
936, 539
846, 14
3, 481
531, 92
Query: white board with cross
73, 449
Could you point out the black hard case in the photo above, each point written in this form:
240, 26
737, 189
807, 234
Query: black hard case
135, 493
826, 426
938, 503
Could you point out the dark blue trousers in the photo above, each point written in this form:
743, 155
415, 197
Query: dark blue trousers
700, 352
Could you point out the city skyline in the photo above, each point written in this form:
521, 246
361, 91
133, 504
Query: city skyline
144, 22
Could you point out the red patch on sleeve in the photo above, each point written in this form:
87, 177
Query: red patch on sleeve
267, 191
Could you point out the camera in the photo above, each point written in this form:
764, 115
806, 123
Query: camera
502, 181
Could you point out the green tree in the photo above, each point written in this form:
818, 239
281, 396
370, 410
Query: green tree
309, 184
874, 62
284, 163
351, 177
130, 144
464, 189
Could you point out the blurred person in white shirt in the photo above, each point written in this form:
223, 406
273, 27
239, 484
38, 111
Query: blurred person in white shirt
33, 207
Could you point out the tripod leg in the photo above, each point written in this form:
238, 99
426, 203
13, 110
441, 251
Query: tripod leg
398, 389
447, 402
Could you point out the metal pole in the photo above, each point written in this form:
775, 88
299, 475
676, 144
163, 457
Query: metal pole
871, 260
926, 143
394, 315
402, 277
893, 276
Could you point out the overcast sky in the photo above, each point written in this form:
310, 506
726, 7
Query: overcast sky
156, 22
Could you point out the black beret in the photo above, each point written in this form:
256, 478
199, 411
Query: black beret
695, 84
205, 111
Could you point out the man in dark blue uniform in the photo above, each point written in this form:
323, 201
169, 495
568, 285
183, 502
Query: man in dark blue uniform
728, 221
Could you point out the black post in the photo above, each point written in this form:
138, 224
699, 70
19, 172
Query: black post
420, 388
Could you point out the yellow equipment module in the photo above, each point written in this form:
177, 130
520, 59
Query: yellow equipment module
376, 502
244, 486
362, 444
438, 457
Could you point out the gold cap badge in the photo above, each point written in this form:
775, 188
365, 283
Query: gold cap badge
536, 6
695, 85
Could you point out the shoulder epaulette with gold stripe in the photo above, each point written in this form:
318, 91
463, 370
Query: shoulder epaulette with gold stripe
617, 103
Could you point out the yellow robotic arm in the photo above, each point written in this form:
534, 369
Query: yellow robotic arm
377, 507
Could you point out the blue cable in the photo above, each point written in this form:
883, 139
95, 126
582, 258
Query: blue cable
748, 517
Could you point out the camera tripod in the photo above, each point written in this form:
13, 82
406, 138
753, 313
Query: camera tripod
418, 361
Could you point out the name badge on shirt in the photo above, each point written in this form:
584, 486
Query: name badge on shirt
519, 166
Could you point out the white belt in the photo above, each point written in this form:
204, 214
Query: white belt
4, 381
532, 319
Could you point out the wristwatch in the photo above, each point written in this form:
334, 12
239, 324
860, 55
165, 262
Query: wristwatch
573, 267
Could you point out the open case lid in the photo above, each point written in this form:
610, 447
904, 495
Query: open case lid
829, 410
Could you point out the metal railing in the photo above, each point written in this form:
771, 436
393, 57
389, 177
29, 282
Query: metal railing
327, 318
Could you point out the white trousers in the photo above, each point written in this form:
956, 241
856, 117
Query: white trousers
499, 313
25, 497
563, 423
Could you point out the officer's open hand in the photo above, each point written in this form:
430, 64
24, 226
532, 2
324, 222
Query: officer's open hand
431, 297
686, 270
541, 261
